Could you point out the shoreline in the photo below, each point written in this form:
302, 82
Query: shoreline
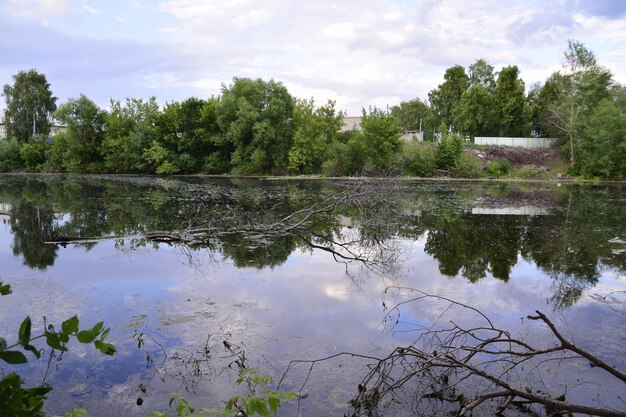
555, 181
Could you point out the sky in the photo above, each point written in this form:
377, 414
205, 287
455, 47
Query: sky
359, 53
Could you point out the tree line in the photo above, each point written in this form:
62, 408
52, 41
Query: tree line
258, 127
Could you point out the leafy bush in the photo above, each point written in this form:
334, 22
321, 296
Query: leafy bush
499, 168
10, 158
467, 166
449, 151
420, 161
340, 160
529, 172
33, 154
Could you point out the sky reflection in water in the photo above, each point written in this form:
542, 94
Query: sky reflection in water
290, 302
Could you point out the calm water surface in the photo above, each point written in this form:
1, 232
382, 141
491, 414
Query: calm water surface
507, 249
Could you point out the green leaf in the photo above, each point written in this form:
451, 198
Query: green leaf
70, 325
274, 402
105, 333
5, 289
3, 344
77, 412
24, 332
98, 326
34, 350
52, 339
260, 406
13, 357
88, 336
106, 348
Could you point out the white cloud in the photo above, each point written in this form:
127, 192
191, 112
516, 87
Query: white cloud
359, 53
40, 10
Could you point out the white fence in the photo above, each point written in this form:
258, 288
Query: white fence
516, 142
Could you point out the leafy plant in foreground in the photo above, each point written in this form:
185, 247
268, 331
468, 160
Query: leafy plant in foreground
262, 405
15, 400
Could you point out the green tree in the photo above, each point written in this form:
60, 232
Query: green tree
315, 130
129, 131
414, 115
378, 143
184, 136
476, 113
481, 73
445, 99
255, 117
85, 132
29, 104
602, 149
581, 87
510, 103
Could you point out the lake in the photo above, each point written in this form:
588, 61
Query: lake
209, 273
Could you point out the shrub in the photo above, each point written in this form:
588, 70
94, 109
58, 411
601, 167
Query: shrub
467, 166
33, 154
499, 168
528, 172
340, 160
449, 151
420, 161
10, 158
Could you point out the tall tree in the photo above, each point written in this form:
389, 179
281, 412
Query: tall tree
583, 84
129, 131
29, 104
315, 130
445, 99
255, 116
80, 145
481, 73
510, 102
414, 115
476, 114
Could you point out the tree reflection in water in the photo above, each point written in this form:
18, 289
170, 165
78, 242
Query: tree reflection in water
260, 223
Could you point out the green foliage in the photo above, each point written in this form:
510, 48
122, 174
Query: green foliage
481, 74
34, 154
467, 166
448, 151
315, 130
420, 160
476, 113
185, 134
529, 172
10, 155
499, 168
85, 133
252, 405
602, 149
29, 103
15, 400
340, 160
378, 143
445, 99
129, 132
255, 119
413, 114
77, 412
577, 92
161, 159
510, 102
